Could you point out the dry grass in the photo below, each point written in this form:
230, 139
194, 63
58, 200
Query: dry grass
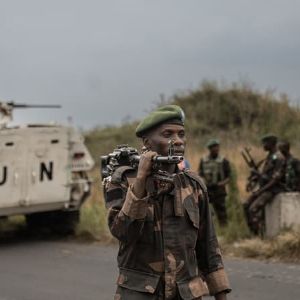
93, 215
285, 247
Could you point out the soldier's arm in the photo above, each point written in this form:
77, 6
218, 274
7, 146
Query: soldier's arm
200, 169
144, 171
297, 168
278, 173
227, 172
221, 296
208, 253
227, 168
123, 227
128, 203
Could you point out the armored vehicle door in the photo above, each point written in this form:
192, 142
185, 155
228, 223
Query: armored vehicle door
12, 165
49, 167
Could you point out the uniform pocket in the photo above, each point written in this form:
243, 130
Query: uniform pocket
192, 222
192, 210
148, 232
138, 281
192, 289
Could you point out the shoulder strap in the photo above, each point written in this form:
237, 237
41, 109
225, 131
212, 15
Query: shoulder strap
206, 159
117, 176
220, 159
196, 178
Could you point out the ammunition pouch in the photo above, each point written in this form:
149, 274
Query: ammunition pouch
138, 281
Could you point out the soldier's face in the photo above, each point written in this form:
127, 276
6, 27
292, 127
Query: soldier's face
284, 149
268, 145
158, 139
214, 150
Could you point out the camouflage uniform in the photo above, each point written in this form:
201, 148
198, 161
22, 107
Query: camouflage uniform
292, 174
168, 247
215, 170
273, 168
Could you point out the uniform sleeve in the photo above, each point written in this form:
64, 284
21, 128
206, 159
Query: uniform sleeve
297, 174
208, 252
126, 213
200, 169
279, 169
227, 168
297, 166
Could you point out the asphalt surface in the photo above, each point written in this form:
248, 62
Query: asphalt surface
68, 270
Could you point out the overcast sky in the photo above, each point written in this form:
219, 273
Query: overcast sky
106, 61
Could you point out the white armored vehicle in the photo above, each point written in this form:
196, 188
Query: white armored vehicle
43, 172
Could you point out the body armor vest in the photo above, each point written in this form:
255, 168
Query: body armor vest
213, 170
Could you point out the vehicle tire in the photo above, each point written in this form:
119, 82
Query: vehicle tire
60, 222
37, 221
65, 222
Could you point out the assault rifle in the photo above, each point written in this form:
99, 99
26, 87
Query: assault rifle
255, 175
124, 155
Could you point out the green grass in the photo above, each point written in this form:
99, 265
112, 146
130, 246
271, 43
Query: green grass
236, 228
93, 222
12, 226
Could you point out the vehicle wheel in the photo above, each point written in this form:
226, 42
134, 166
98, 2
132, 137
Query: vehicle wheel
65, 222
61, 222
37, 221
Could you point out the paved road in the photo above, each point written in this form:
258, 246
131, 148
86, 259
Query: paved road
68, 270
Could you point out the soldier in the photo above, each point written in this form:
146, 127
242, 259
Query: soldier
271, 182
292, 167
215, 170
168, 246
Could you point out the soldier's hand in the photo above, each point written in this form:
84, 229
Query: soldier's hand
221, 296
145, 165
223, 182
255, 194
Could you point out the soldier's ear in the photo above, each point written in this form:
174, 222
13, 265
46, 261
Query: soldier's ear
146, 142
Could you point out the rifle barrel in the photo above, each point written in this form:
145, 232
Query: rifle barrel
170, 159
35, 106
162, 159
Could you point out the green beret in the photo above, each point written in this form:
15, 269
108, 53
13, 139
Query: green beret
164, 114
269, 137
212, 142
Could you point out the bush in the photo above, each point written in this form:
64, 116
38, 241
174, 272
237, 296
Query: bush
237, 228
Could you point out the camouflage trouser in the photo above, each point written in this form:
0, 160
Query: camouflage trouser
219, 204
127, 294
255, 211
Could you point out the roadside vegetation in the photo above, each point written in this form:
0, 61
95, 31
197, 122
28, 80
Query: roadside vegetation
13, 226
93, 215
285, 247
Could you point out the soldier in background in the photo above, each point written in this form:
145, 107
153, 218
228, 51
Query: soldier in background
215, 169
292, 167
271, 182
